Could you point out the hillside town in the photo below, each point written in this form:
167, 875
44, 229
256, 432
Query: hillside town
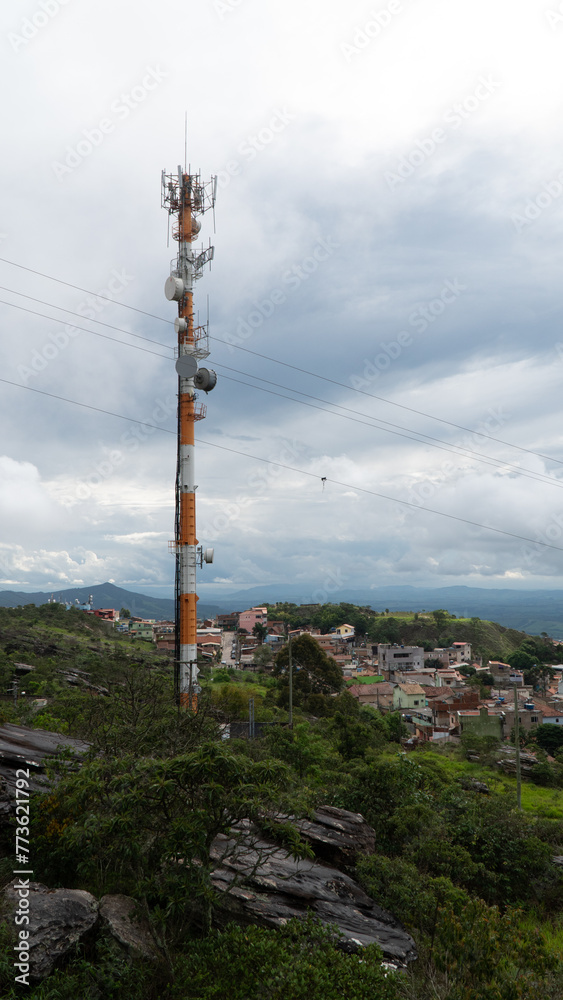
436, 692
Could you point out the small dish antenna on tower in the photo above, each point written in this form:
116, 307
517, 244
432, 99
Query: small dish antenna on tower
186, 365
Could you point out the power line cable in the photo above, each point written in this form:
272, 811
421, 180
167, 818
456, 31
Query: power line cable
300, 472
53, 305
88, 406
485, 460
302, 371
389, 402
87, 291
95, 333
376, 422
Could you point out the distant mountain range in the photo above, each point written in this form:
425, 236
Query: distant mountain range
105, 595
532, 611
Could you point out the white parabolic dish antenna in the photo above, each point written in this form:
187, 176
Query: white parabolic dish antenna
186, 366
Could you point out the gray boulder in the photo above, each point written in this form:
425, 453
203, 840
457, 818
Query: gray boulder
58, 918
116, 914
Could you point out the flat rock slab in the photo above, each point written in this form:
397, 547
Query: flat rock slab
116, 913
337, 836
261, 884
22, 747
58, 918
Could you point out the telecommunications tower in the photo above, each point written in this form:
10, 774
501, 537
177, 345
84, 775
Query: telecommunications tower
185, 197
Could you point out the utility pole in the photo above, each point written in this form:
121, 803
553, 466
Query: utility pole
290, 668
185, 197
517, 741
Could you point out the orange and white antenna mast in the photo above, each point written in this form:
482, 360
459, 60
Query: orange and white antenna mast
185, 197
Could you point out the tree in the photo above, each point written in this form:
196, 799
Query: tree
467, 671
313, 671
262, 656
146, 827
125, 613
520, 659
441, 617
548, 737
260, 631
434, 663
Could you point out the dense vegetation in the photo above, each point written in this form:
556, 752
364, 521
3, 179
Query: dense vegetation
468, 874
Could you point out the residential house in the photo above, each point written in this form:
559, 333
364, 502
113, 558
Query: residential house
552, 716
449, 677
345, 631
529, 714
481, 722
503, 674
445, 655
394, 659
408, 697
107, 614
141, 629
378, 695
463, 651
254, 616
209, 642
426, 676
228, 622
457, 653
446, 706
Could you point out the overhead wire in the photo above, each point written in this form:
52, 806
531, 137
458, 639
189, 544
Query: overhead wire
301, 472
303, 371
87, 291
390, 402
375, 422
91, 319
95, 333
397, 430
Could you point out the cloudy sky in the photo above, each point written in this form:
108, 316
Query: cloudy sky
385, 300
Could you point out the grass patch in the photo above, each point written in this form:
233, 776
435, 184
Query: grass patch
546, 803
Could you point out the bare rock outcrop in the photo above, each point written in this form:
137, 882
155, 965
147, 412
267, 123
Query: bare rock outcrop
58, 918
116, 914
337, 836
263, 885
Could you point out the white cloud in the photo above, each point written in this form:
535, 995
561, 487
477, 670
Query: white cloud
85, 496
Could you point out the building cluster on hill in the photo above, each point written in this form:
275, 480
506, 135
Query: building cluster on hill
432, 690
440, 703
